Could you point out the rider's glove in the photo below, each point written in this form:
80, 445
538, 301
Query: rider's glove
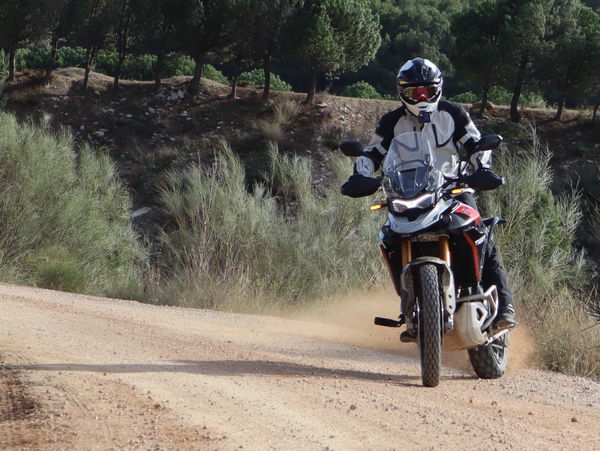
359, 186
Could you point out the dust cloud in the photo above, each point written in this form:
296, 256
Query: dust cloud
348, 320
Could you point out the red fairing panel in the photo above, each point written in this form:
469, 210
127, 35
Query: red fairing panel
465, 210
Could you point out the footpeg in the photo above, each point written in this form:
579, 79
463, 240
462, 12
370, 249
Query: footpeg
386, 322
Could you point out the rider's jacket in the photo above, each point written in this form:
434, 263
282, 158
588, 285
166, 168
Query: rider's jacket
451, 129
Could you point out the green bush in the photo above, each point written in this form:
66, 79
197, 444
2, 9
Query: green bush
499, 95
64, 220
465, 97
213, 74
548, 278
70, 57
256, 78
528, 99
361, 90
270, 246
3, 65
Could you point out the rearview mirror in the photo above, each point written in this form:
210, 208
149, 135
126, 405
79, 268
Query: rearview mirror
351, 148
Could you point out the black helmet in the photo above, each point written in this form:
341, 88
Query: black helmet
419, 85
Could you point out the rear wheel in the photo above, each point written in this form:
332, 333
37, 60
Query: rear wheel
490, 362
430, 330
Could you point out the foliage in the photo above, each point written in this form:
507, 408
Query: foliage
256, 77
465, 97
275, 250
362, 90
548, 278
336, 35
64, 220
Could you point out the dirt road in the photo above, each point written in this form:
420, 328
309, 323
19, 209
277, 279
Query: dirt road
90, 373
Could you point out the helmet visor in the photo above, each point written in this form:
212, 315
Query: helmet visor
418, 93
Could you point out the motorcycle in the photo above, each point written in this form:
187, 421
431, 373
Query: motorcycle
434, 246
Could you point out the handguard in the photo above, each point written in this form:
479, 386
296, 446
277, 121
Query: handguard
359, 185
484, 179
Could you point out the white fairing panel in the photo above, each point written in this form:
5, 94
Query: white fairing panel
401, 224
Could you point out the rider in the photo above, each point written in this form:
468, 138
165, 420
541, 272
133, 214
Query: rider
419, 84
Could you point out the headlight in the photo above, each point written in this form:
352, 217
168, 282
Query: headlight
421, 202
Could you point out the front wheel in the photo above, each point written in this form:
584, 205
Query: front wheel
490, 362
430, 326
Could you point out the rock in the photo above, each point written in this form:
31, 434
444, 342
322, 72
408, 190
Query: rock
140, 212
574, 420
98, 134
353, 407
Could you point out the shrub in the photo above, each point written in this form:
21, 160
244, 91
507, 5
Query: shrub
64, 221
179, 65
499, 95
256, 78
465, 97
270, 246
214, 74
3, 65
139, 67
548, 278
70, 57
361, 90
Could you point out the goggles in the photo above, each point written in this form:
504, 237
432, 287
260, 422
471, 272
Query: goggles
419, 93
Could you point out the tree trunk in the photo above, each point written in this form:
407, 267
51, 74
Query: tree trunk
119, 69
158, 71
194, 87
234, 84
515, 116
53, 55
561, 105
312, 87
12, 64
267, 71
88, 65
484, 99
594, 113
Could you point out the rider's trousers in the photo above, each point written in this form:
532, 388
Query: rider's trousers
493, 267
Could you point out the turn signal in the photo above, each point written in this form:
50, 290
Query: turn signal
377, 206
458, 191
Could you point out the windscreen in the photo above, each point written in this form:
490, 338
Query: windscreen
409, 166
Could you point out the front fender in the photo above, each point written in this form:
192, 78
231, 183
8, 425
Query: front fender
446, 279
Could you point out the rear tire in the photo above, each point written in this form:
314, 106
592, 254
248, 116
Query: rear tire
430, 330
491, 361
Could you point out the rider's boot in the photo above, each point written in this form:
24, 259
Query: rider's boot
505, 319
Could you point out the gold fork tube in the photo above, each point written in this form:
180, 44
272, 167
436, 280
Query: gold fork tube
406, 248
444, 249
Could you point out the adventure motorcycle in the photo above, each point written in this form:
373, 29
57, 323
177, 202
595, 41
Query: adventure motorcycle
435, 246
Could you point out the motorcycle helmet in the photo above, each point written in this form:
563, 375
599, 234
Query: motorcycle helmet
419, 84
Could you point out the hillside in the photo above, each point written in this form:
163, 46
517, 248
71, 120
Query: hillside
147, 133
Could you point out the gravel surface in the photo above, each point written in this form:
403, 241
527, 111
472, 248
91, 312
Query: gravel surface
79, 372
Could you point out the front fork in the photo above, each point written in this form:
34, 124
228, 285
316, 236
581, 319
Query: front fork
403, 283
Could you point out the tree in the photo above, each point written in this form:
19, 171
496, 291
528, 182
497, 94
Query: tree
274, 18
479, 50
521, 34
21, 22
336, 35
92, 26
122, 33
61, 22
160, 24
573, 57
207, 32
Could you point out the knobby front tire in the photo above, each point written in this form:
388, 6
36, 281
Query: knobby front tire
430, 326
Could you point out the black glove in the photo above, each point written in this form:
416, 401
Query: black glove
483, 179
359, 186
